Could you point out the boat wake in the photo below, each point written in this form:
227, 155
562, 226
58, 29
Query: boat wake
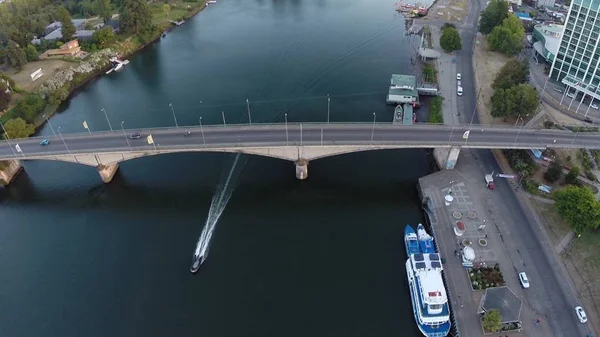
217, 206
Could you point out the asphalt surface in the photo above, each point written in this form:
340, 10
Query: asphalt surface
234, 136
549, 295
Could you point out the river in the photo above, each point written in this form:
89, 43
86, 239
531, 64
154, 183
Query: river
321, 257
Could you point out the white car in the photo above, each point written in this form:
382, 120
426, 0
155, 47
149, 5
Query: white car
459, 91
570, 95
458, 77
524, 280
581, 314
594, 106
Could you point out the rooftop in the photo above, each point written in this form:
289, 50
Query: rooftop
404, 81
403, 92
505, 301
552, 35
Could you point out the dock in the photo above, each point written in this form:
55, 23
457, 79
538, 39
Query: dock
177, 23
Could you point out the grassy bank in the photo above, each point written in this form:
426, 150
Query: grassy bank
435, 111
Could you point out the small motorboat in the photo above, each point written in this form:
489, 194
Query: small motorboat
196, 263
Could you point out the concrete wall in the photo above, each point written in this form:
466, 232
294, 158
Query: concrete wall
446, 157
10, 171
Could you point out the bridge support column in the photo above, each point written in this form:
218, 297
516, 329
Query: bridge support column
107, 172
9, 169
446, 157
301, 169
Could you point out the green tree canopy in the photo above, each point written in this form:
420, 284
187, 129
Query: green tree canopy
554, 172
492, 321
517, 100
103, 9
512, 73
31, 53
15, 55
578, 207
508, 37
30, 106
572, 178
68, 29
104, 37
450, 40
58, 96
493, 15
18, 128
135, 16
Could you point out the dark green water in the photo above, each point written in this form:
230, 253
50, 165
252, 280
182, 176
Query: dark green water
321, 257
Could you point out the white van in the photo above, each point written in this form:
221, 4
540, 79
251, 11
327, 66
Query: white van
459, 90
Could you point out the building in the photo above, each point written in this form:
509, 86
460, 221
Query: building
578, 58
546, 39
54, 31
545, 3
403, 89
70, 48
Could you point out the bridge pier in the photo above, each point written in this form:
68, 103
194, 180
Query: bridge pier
446, 157
301, 169
9, 169
107, 172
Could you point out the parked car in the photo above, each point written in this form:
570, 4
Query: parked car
581, 314
524, 280
458, 77
44, 142
135, 135
459, 91
588, 120
594, 106
570, 95
558, 90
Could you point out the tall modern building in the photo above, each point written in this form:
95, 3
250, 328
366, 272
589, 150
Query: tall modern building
577, 63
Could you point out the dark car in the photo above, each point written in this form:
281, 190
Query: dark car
136, 135
589, 120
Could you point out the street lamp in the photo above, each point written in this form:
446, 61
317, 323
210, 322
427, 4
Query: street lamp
521, 128
223, 114
63, 140
202, 130
287, 138
373, 129
328, 104
124, 135
48, 121
108, 121
174, 118
248, 106
8, 139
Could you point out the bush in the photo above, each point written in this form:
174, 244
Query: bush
29, 107
429, 73
58, 96
486, 277
520, 161
554, 172
435, 111
572, 178
578, 207
492, 321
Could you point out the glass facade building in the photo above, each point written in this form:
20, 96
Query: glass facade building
577, 62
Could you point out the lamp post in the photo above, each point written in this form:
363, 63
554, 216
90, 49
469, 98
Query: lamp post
48, 121
175, 118
287, 138
223, 114
87, 127
300, 134
63, 140
124, 135
8, 139
202, 130
107, 120
248, 107
328, 105
373, 128
521, 128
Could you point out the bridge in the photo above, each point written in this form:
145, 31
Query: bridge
299, 143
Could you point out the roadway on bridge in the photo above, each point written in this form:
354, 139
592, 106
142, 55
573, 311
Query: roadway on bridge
240, 136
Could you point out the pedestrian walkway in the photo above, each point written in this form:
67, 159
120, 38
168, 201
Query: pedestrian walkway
565, 242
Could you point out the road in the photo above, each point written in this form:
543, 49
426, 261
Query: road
549, 295
241, 136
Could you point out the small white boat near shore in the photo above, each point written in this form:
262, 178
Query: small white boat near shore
117, 64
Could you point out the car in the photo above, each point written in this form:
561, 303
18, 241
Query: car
594, 106
524, 280
459, 91
44, 142
581, 314
136, 135
558, 90
589, 120
570, 95
458, 77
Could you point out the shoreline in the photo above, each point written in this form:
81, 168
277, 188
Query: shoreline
50, 110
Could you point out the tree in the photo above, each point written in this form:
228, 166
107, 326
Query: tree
18, 128
68, 29
135, 16
508, 37
493, 15
167, 9
517, 100
30, 106
554, 172
104, 37
103, 9
578, 207
58, 96
492, 321
448, 25
5, 96
512, 73
15, 55
31, 53
450, 40
572, 178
